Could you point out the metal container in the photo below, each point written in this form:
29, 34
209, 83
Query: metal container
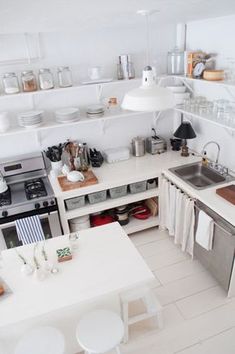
138, 187
118, 192
138, 146
176, 62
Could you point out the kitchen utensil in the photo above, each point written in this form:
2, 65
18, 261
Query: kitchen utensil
138, 146
176, 144
95, 73
227, 193
66, 185
141, 212
64, 76
96, 158
122, 214
10, 83
4, 122
176, 62
101, 219
155, 144
45, 79
75, 176
54, 153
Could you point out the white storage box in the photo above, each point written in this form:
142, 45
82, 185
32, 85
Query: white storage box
118, 192
116, 154
97, 197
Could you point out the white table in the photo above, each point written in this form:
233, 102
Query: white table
105, 264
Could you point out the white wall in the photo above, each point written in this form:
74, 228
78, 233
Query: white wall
81, 50
214, 36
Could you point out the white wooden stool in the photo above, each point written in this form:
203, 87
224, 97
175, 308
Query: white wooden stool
100, 331
152, 305
41, 340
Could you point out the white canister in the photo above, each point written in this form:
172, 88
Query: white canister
80, 223
4, 122
56, 168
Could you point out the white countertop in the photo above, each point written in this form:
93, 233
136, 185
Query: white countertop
106, 262
208, 196
125, 172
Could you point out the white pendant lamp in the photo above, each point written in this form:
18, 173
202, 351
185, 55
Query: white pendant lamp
149, 97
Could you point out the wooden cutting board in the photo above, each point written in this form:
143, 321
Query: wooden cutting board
227, 193
66, 185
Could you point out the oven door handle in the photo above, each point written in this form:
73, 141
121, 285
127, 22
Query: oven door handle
41, 217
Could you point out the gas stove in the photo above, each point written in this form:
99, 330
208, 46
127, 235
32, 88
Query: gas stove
29, 188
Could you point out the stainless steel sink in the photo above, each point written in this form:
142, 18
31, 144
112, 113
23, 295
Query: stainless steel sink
199, 176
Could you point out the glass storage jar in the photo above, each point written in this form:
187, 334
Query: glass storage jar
45, 79
29, 82
64, 76
10, 83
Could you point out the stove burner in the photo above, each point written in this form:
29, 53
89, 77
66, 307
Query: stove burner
5, 198
35, 188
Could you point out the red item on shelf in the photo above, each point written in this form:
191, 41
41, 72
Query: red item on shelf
102, 219
141, 212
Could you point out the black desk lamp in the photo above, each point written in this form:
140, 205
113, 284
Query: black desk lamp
185, 131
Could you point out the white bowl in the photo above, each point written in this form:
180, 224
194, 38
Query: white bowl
75, 176
180, 97
177, 88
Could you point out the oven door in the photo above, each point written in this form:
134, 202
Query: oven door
50, 225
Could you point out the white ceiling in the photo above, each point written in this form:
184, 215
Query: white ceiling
57, 15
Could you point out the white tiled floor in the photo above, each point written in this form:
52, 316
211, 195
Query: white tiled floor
199, 319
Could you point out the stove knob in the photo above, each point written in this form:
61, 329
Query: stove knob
45, 204
37, 206
52, 202
4, 213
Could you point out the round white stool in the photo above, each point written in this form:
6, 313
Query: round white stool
100, 331
41, 340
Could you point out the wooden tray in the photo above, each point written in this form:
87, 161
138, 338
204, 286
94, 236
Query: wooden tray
227, 193
66, 185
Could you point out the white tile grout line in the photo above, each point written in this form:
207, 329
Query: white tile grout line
204, 340
205, 312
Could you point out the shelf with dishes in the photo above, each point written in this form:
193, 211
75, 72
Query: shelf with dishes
50, 122
208, 118
183, 78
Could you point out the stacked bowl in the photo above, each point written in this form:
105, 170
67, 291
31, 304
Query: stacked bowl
67, 115
30, 119
95, 111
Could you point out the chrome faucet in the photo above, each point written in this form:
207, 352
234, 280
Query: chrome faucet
212, 142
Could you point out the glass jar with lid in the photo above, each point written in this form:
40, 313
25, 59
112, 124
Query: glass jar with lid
64, 76
29, 82
45, 79
10, 83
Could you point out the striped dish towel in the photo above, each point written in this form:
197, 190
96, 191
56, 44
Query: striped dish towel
29, 229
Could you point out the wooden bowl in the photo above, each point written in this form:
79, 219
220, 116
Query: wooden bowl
213, 75
2, 290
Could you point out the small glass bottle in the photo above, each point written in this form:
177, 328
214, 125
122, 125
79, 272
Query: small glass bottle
29, 82
45, 79
10, 83
64, 76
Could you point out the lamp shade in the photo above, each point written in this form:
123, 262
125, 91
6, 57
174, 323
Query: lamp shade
185, 131
148, 97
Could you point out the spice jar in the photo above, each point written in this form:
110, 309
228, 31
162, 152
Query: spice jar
45, 79
10, 83
64, 76
29, 82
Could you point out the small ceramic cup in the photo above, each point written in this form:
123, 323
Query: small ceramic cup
94, 73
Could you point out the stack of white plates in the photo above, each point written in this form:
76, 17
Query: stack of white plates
67, 115
95, 111
30, 119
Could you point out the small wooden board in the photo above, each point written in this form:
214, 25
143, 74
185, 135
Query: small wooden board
66, 185
227, 193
